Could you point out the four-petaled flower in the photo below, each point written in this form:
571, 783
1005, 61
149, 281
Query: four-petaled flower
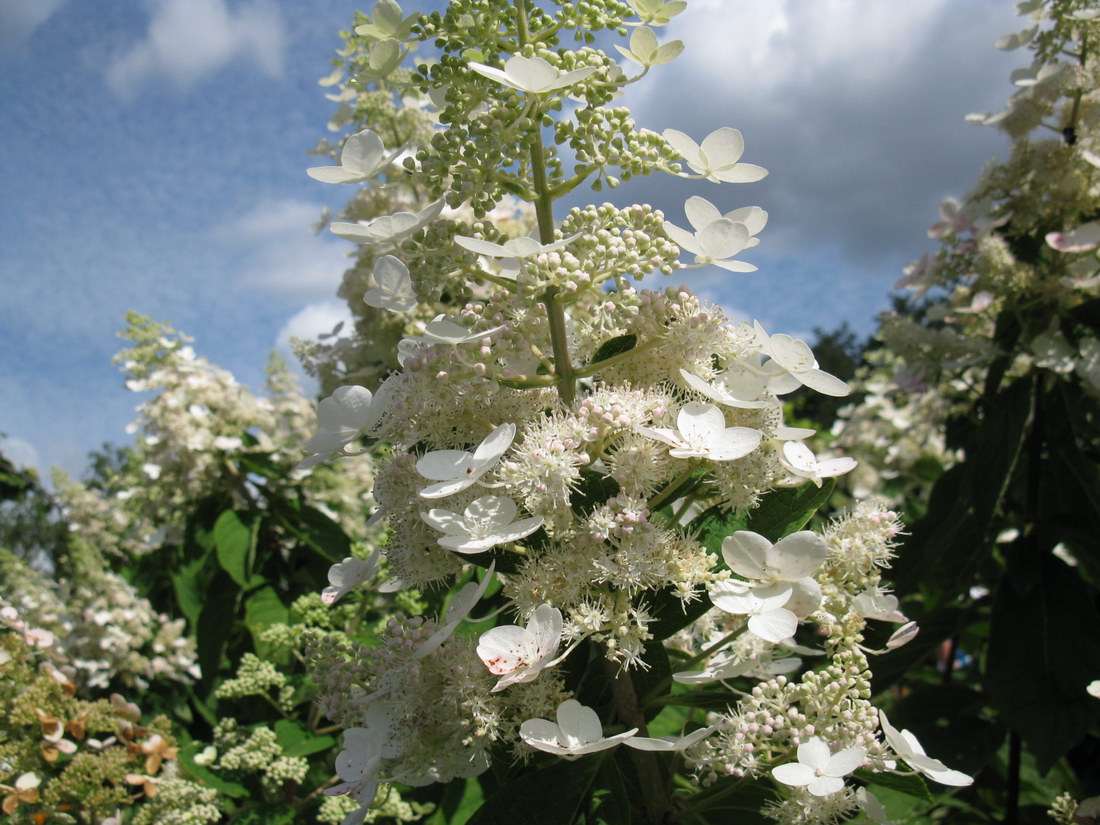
906, 746
716, 159
347, 575
519, 654
395, 287
388, 228
341, 418
798, 460
577, 732
455, 470
531, 74
703, 433
818, 770
362, 157
793, 363
487, 522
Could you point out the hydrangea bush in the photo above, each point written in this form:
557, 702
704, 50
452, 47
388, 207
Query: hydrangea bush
598, 475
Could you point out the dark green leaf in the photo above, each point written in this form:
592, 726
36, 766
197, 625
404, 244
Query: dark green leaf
204, 776
296, 740
1043, 652
593, 490
910, 784
615, 346
787, 510
235, 540
551, 795
215, 625
314, 529
261, 610
1000, 440
741, 807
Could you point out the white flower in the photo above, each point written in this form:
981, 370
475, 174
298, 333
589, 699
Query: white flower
658, 12
716, 159
577, 732
457, 612
362, 157
348, 574
442, 330
519, 654
795, 362
798, 460
487, 522
357, 764
906, 746
701, 213
717, 237
872, 807
522, 247
388, 228
817, 770
455, 470
341, 418
1081, 239
732, 388
1009, 42
874, 604
645, 50
782, 590
387, 21
1093, 688
669, 743
395, 287
703, 434
531, 74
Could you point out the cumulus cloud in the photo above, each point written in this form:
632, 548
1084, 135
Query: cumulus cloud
280, 254
856, 109
190, 39
20, 18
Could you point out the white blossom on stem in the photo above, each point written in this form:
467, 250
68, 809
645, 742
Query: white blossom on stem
518, 654
456, 470
487, 522
702, 433
348, 574
909, 750
388, 228
818, 770
395, 287
362, 157
578, 731
717, 158
798, 460
531, 74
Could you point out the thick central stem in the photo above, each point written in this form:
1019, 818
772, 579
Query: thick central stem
544, 214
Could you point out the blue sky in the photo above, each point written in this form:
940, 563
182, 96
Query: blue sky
153, 156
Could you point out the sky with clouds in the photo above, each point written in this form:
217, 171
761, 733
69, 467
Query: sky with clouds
153, 158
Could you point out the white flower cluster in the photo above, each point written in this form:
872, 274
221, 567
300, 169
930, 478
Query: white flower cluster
562, 436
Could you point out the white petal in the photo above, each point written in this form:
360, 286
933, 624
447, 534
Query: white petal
723, 238
579, 723
825, 785
844, 762
774, 626
723, 147
685, 146
746, 553
362, 153
824, 383
814, 753
444, 465
505, 648
798, 555
700, 212
794, 774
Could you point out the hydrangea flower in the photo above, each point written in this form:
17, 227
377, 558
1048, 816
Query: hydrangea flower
578, 731
909, 750
341, 418
388, 228
1081, 239
702, 433
395, 287
487, 522
457, 612
646, 50
798, 460
818, 770
456, 470
362, 157
347, 575
532, 75
715, 243
716, 159
670, 743
794, 361
732, 388
519, 654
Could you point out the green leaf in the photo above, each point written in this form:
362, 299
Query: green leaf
204, 776
615, 346
910, 784
461, 798
314, 529
261, 610
1000, 440
296, 740
216, 623
613, 800
1043, 652
785, 511
551, 795
742, 807
235, 541
593, 490
272, 813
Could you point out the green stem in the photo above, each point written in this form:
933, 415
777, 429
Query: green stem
544, 214
674, 487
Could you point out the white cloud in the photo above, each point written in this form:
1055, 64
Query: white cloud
21, 453
189, 39
308, 323
20, 18
282, 255
855, 107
